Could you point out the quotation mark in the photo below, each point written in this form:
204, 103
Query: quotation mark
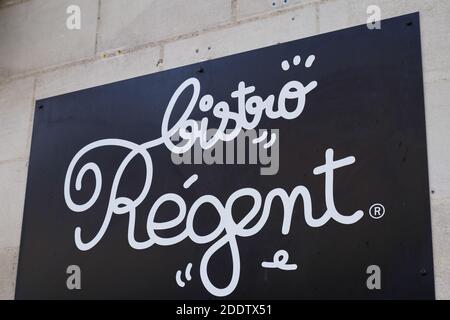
187, 274
296, 61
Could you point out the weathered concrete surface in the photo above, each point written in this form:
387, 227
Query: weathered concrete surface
13, 176
8, 270
246, 8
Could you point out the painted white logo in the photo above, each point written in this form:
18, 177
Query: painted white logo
228, 231
73, 21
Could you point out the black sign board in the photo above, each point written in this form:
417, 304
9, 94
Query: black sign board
325, 194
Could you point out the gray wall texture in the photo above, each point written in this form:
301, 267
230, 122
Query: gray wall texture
40, 57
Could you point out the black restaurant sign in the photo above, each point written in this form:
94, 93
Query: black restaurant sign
134, 192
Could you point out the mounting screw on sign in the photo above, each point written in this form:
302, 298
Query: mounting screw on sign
377, 211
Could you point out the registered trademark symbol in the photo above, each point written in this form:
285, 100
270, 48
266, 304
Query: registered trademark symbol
377, 211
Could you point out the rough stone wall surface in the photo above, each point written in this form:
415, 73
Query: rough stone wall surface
40, 57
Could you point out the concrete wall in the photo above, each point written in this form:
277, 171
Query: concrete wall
119, 39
